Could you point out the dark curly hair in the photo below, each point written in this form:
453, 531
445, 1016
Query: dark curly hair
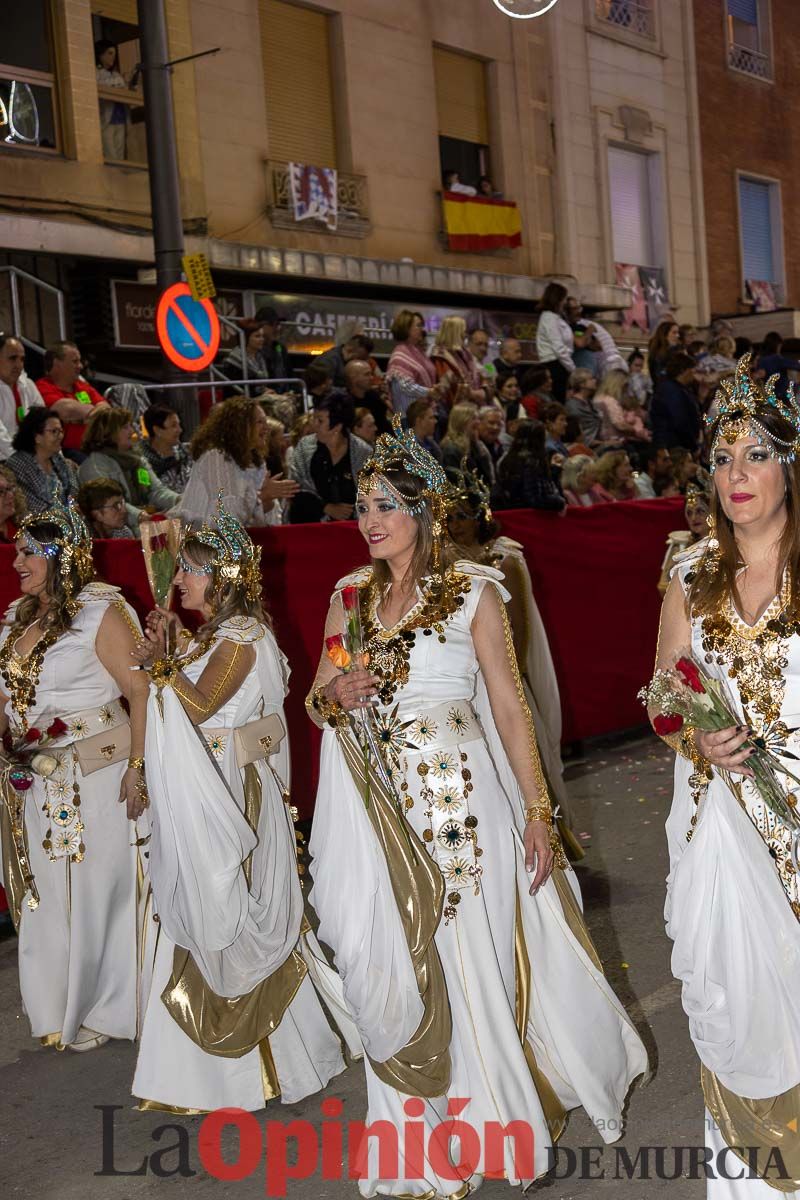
229, 429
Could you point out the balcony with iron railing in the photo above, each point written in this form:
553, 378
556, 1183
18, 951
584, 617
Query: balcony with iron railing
351, 197
750, 62
634, 16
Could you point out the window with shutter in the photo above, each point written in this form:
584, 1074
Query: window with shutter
296, 54
631, 207
462, 114
748, 37
461, 96
756, 207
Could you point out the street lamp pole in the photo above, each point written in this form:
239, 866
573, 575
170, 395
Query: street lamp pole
162, 161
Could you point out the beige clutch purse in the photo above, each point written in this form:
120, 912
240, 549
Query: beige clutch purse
258, 739
102, 749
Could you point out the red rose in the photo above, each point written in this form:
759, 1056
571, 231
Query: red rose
159, 542
667, 723
332, 642
350, 598
156, 517
690, 675
33, 734
57, 728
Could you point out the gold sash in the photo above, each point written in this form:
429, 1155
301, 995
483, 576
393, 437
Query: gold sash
422, 1067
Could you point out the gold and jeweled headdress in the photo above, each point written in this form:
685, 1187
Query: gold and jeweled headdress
236, 558
470, 489
401, 450
742, 402
72, 546
698, 491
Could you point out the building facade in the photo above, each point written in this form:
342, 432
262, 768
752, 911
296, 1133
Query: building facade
747, 102
567, 115
628, 182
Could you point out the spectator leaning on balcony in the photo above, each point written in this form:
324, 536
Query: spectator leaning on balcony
554, 340
326, 464
103, 505
452, 183
41, 470
69, 395
110, 454
18, 394
113, 114
163, 451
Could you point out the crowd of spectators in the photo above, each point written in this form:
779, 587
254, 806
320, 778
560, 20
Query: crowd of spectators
581, 425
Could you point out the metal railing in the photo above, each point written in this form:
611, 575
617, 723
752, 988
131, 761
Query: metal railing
634, 15
221, 384
14, 275
751, 62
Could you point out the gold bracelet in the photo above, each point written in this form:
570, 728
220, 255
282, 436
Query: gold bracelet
137, 764
539, 812
330, 711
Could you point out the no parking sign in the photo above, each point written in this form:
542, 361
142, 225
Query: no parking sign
188, 329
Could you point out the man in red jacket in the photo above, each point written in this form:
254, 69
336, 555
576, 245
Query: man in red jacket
69, 395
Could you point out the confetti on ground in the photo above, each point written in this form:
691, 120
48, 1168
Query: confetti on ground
624, 966
642, 799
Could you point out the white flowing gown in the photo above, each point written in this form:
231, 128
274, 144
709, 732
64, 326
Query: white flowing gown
237, 934
580, 1036
77, 949
736, 940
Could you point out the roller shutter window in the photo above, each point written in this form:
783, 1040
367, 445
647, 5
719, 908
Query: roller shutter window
297, 82
461, 96
117, 10
758, 240
631, 207
744, 23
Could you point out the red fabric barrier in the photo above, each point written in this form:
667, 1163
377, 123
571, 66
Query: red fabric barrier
594, 576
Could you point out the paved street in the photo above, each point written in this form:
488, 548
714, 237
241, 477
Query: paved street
51, 1140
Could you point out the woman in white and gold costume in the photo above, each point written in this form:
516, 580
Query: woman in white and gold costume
69, 853
440, 884
696, 509
477, 537
733, 902
231, 1017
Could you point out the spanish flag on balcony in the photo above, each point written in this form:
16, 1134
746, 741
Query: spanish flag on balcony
476, 223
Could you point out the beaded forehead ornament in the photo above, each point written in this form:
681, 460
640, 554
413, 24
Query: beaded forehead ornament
740, 403
401, 450
73, 545
236, 558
